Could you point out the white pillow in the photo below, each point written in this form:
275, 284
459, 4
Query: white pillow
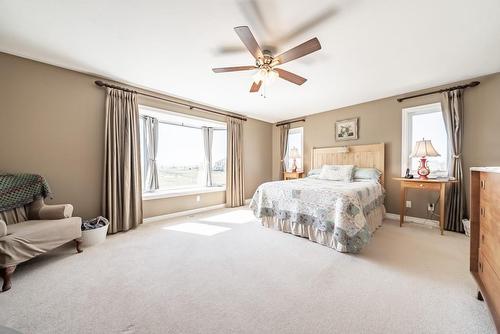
337, 173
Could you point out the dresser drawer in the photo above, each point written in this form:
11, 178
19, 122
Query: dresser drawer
489, 220
491, 282
489, 193
422, 185
489, 247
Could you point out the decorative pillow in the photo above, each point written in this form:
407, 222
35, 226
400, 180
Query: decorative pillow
312, 172
366, 173
337, 173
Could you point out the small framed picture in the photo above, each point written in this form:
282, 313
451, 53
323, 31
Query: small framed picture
346, 129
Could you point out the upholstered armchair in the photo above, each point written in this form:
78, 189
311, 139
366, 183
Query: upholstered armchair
34, 229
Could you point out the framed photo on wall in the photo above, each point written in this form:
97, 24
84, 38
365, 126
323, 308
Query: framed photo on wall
346, 129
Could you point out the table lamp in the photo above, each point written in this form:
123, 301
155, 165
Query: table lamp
294, 154
423, 148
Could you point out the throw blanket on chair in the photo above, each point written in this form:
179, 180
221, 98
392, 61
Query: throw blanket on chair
17, 190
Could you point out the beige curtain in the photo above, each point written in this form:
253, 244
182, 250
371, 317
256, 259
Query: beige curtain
453, 115
283, 148
235, 190
208, 138
150, 137
122, 194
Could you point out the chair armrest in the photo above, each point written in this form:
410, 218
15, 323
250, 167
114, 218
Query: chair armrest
39, 210
3, 228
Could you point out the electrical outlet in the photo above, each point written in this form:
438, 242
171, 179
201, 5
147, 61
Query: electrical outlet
408, 204
430, 207
198, 198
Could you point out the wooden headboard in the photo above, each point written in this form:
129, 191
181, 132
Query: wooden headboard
371, 155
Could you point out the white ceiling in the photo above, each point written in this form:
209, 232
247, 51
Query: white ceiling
371, 49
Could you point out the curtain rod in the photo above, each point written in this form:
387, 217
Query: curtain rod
471, 84
104, 84
291, 121
182, 124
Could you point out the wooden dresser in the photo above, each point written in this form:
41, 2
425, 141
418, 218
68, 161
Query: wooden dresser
485, 235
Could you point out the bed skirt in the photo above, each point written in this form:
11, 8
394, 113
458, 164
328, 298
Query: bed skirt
374, 220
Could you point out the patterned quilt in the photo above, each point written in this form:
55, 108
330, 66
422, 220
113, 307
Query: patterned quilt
331, 206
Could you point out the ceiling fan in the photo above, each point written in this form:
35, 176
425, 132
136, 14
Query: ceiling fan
274, 38
266, 63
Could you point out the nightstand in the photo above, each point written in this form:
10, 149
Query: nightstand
292, 175
438, 185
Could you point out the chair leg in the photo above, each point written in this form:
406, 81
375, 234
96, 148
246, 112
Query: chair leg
6, 275
480, 296
78, 245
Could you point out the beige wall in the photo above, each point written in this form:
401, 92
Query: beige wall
52, 119
380, 121
52, 123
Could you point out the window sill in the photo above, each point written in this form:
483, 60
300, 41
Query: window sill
180, 192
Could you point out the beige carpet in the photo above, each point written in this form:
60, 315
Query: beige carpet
233, 276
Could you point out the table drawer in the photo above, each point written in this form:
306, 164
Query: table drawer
422, 185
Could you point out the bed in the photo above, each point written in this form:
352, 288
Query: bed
340, 215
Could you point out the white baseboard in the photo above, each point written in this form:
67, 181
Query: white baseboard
183, 213
416, 220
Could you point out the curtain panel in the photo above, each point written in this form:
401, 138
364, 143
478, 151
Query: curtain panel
283, 148
208, 137
453, 115
235, 190
122, 191
150, 139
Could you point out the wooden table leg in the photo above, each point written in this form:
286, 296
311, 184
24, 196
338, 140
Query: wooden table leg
6, 275
402, 207
442, 202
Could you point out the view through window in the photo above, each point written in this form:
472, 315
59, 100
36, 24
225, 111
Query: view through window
181, 150
295, 145
425, 122
219, 151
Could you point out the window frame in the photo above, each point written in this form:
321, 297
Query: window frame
145, 110
299, 129
406, 133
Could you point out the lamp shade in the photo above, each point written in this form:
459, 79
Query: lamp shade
294, 153
424, 148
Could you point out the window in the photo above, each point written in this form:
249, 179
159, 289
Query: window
295, 148
181, 159
427, 122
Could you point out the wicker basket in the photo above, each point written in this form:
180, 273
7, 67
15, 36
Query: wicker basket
466, 223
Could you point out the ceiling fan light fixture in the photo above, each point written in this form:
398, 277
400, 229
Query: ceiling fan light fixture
261, 75
267, 76
272, 75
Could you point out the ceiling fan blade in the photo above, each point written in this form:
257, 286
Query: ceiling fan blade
255, 16
248, 39
289, 76
233, 69
301, 50
255, 87
306, 26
